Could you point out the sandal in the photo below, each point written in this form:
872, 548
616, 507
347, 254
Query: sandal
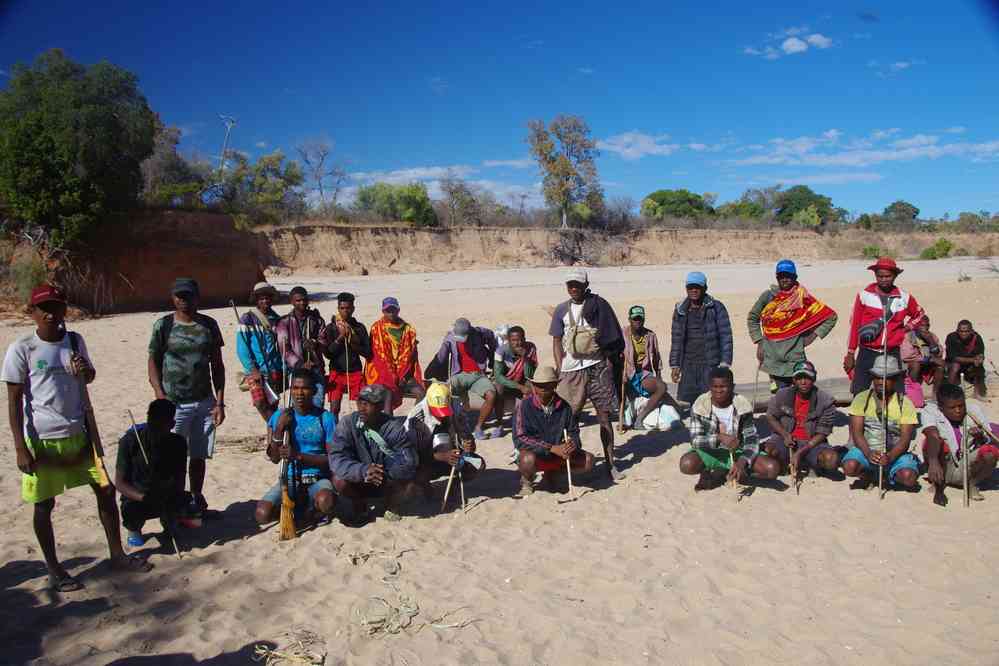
65, 583
131, 563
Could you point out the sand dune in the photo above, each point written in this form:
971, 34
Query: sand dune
645, 571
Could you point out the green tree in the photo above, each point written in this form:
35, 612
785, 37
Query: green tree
72, 138
566, 153
742, 209
408, 203
267, 192
901, 212
675, 203
807, 217
799, 198
168, 178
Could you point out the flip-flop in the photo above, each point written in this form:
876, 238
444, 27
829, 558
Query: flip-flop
133, 563
64, 584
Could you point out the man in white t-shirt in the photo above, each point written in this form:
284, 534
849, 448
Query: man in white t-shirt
586, 335
43, 371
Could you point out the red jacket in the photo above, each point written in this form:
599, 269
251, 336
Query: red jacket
905, 314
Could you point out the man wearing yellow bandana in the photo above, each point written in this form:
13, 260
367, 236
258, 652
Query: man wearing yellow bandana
784, 321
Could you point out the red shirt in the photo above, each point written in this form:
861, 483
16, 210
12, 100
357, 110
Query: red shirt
468, 363
800, 416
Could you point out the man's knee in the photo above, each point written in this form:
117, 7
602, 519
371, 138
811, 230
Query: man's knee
324, 501
526, 463
828, 460
853, 468
767, 467
264, 512
906, 477
45, 507
690, 463
587, 463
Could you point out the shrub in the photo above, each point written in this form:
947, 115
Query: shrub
962, 252
871, 252
938, 250
27, 272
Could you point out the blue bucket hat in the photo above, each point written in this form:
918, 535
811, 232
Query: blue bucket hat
698, 278
787, 266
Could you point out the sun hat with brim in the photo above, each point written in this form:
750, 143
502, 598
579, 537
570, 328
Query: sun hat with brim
439, 400
804, 369
545, 375
885, 263
264, 288
886, 366
46, 293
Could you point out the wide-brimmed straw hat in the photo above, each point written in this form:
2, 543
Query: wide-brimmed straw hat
545, 374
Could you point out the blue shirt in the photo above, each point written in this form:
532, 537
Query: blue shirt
309, 434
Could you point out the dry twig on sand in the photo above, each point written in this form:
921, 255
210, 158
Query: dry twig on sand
302, 646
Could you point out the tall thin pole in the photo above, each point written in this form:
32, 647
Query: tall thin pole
229, 123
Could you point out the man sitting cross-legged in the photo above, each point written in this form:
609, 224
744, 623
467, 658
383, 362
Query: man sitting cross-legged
373, 455
868, 421
310, 431
150, 472
944, 425
642, 367
547, 434
723, 437
801, 418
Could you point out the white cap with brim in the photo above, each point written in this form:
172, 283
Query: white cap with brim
577, 275
886, 366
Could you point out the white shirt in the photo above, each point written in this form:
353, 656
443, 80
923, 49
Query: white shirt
53, 407
571, 363
726, 418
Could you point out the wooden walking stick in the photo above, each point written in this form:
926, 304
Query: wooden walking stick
286, 523
142, 449
966, 454
624, 396
568, 470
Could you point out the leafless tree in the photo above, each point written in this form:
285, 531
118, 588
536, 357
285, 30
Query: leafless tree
325, 175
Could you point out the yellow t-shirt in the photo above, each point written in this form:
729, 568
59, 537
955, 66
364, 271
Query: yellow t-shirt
899, 413
639, 344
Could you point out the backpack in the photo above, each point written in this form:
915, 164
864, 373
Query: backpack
580, 341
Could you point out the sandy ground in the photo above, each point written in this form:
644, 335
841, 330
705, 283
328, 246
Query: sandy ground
645, 571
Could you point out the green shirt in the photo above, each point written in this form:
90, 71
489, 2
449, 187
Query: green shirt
185, 360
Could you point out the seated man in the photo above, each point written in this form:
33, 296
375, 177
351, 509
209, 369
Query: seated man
966, 357
310, 431
723, 437
150, 474
547, 434
922, 355
801, 418
443, 438
466, 350
868, 422
642, 367
944, 425
373, 455
513, 367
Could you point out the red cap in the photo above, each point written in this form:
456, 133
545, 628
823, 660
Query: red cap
885, 263
44, 293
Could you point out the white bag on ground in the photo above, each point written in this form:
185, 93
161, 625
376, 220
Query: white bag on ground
658, 419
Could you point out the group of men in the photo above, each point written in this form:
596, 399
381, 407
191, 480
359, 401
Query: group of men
297, 370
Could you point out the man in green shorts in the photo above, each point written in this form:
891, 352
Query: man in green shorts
185, 366
723, 437
467, 350
43, 372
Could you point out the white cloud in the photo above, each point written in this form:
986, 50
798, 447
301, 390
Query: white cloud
403, 176
862, 35
438, 85
832, 135
261, 144
749, 50
819, 40
634, 145
523, 163
3, 72
585, 70
956, 129
793, 45
885, 70
789, 32
917, 140
880, 135
842, 178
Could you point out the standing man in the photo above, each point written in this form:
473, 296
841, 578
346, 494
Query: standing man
394, 361
43, 371
298, 334
879, 301
585, 336
643, 366
257, 350
966, 357
802, 417
185, 366
870, 412
513, 368
701, 339
467, 350
785, 320
346, 344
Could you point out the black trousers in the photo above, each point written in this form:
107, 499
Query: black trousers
135, 514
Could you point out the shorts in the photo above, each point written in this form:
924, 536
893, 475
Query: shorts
811, 458
719, 459
339, 383
194, 423
549, 462
635, 383
955, 475
273, 496
904, 461
595, 383
49, 481
464, 383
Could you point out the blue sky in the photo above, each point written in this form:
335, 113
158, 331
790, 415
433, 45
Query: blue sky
866, 103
